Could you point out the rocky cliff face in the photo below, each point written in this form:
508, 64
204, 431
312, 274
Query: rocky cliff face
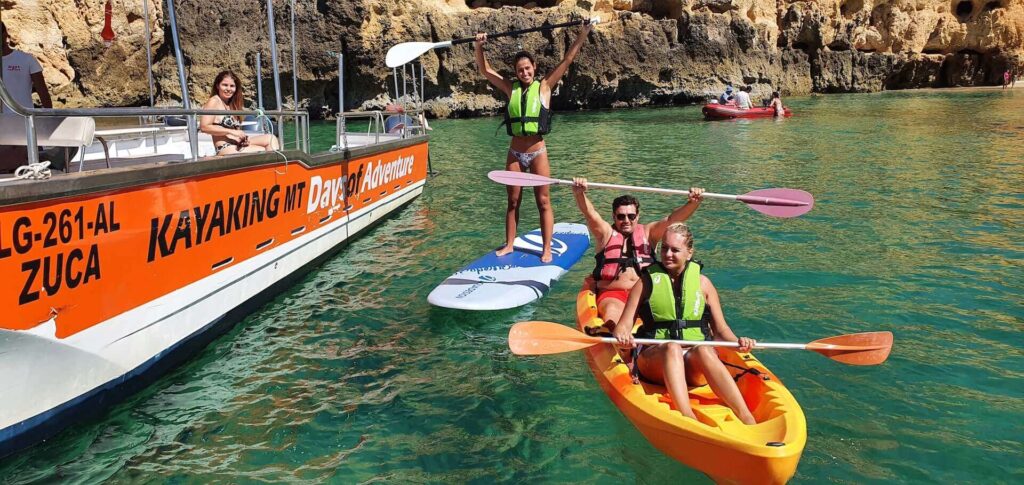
645, 51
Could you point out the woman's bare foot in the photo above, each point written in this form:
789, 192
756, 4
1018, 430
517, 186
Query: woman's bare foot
545, 257
503, 251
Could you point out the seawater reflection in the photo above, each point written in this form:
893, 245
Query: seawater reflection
351, 377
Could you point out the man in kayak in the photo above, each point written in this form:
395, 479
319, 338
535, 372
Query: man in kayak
528, 118
675, 301
623, 248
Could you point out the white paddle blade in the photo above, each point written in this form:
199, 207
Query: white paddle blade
408, 51
595, 20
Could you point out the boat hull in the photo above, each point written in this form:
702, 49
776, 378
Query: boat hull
720, 112
717, 444
166, 275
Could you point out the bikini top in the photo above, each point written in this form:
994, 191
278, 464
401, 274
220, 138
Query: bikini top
229, 122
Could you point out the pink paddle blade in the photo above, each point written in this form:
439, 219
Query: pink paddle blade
779, 202
519, 179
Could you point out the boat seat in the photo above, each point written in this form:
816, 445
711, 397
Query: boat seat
50, 131
395, 124
105, 137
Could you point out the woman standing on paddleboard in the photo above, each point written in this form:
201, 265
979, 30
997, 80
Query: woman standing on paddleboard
528, 119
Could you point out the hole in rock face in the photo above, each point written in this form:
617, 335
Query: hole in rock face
665, 75
839, 45
666, 9
990, 6
964, 9
511, 3
851, 7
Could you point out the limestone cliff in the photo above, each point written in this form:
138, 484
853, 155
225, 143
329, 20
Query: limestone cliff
645, 51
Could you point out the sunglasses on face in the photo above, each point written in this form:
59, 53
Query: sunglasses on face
622, 217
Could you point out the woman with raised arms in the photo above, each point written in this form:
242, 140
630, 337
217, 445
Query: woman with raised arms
528, 119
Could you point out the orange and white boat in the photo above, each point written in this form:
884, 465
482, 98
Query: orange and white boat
717, 443
113, 276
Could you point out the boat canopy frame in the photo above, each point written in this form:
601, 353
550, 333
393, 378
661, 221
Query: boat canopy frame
30, 113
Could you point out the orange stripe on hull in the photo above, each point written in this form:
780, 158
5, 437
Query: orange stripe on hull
90, 258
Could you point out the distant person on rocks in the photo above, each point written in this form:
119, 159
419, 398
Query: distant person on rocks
22, 75
228, 137
528, 119
776, 104
726, 97
743, 98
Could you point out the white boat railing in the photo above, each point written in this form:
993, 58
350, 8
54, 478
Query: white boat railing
32, 114
378, 129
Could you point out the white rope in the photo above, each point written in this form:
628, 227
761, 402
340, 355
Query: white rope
32, 171
263, 122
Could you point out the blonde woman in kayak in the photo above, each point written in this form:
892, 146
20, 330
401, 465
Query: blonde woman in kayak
528, 118
665, 290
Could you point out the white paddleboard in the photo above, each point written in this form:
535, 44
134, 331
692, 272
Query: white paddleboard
517, 278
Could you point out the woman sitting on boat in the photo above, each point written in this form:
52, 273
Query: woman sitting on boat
228, 137
675, 301
528, 119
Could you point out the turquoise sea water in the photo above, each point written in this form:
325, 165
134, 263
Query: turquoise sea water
351, 377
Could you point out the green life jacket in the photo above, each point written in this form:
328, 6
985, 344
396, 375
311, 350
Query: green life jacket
525, 114
672, 312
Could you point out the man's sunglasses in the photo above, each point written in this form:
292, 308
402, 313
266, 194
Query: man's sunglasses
623, 217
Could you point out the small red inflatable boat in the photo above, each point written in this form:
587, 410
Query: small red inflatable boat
728, 112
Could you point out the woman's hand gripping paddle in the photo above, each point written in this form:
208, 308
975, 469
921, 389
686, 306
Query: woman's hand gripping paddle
408, 51
773, 202
541, 338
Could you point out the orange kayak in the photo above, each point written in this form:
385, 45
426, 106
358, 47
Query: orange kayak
718, 443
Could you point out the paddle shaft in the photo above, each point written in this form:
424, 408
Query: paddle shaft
773, 202
708, 195
710, 343
523, 31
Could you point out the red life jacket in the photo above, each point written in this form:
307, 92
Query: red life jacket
615, 258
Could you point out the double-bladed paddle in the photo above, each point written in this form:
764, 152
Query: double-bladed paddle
407, 51
541, 338
773, 202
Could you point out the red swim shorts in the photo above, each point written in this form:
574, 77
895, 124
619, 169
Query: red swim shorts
621, 295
